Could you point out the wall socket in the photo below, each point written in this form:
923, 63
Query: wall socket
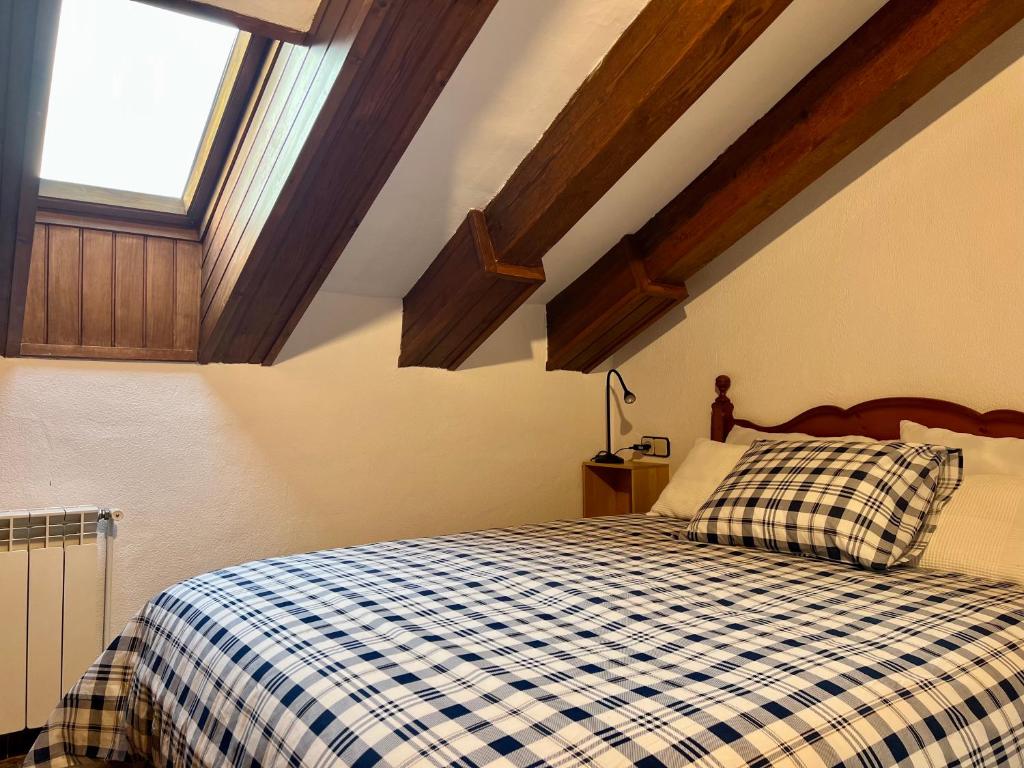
654, 445
660, 447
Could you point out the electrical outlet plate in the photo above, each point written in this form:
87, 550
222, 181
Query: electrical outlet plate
661, 447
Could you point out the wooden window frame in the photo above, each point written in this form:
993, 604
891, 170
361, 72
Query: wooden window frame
63, 201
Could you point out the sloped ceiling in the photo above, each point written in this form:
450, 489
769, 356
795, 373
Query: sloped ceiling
527, 61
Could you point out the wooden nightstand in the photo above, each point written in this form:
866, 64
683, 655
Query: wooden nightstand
621, 489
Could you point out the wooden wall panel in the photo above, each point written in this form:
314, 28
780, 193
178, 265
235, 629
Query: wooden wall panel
226, 231
296, 85
34, 328
104, 295
160, 293
64, 286
187, 273
129, 291
98, 289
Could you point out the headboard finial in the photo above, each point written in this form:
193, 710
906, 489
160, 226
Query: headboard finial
721, 410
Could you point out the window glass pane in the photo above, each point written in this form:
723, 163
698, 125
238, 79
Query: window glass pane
132, 91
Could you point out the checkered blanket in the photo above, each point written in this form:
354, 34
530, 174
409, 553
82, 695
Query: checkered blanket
606, 642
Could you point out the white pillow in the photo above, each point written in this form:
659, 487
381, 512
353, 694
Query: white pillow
701, 472
982, 455
746, 436
981, 530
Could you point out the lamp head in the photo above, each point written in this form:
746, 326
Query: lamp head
628, 397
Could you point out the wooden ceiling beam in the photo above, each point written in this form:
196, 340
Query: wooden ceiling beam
328, 126
901, 53
671, 53
28, 39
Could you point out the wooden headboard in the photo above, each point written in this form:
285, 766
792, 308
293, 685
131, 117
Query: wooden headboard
879, 419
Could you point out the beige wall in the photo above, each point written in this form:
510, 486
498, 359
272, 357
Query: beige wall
333, 446
900, 272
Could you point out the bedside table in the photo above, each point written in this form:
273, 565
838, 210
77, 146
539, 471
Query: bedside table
622, 489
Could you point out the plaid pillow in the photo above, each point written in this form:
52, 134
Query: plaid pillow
872, 504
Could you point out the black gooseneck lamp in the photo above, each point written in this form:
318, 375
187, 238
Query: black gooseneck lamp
607, 456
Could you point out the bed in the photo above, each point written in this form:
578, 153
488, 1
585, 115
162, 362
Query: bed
608, 641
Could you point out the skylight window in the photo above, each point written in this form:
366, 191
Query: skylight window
131, 97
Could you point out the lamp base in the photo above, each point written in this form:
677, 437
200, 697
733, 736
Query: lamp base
603, 457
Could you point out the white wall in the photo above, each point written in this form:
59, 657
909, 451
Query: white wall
332, 446
901, 272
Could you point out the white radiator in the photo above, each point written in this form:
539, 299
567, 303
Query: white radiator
53, 578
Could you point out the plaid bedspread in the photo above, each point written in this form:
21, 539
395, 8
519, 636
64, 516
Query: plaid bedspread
602, 642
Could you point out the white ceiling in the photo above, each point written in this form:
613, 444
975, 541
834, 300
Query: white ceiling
526, 62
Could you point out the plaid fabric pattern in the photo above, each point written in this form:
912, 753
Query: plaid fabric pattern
606, 642
872, 504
